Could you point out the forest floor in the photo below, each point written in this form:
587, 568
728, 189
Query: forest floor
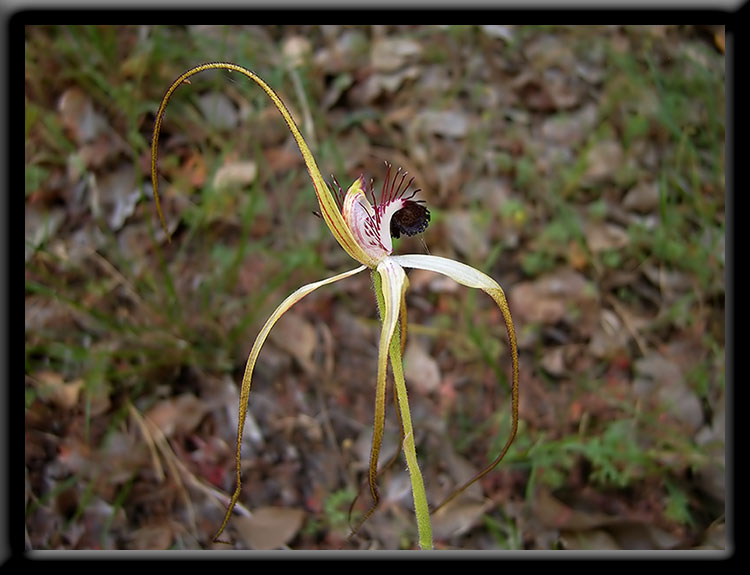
581, 167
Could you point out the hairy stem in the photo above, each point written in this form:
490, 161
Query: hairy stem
421, 509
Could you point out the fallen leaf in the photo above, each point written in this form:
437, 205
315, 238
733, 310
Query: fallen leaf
715, 536
569, 129
719, 40
391, 54
712, 439
40, 225
642, 535
602, 161
296, 336
296, 50
115, 196
547, 91
446, 123
420, 368
551, 512
590, 540
549, 51
157, 536
349, 52
63, 394
195, 167
79, 117
661, 381
498, 31
269, 527
553, 360
382, 83
236, 174
609, 336
457, 517
467, 235
604, 236
561, 295
461, 471
644, 197
219, 110
180, 414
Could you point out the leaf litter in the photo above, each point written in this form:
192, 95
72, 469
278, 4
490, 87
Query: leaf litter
497, 122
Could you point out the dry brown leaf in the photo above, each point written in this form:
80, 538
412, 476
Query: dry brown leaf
281, 158
269, 527
377, 84
644, 197
420, 368
569, 129
661, 381
349, 52
719, 40
466, 235
609, 337
297, 50
551, 512
391, 54
506, 33
236, 174
603, 236
560, 295
715, 536
157, 536
180, 414
457, 517
195, 167
461, 471
712, 439
219, 110
553, 360
40, 225
549, 51
115, 196
642, 535
603, 160
67, 394
446, 123
79, 117
296, 336
590, 540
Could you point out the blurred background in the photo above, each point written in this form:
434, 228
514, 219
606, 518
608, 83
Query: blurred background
581, 167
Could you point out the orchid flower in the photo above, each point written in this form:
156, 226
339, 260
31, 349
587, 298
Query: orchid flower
364, 227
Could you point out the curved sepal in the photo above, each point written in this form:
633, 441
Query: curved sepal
328, 206
471, 277
250, 366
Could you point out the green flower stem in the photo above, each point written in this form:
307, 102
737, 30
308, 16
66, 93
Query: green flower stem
421, 509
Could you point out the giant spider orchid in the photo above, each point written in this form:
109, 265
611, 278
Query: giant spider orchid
364, 227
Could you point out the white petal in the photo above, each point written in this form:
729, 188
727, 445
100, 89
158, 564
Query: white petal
461, 273
394, 284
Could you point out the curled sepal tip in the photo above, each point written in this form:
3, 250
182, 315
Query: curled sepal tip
328, 207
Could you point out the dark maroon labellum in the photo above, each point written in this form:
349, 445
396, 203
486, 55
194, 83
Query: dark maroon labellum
412, 219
